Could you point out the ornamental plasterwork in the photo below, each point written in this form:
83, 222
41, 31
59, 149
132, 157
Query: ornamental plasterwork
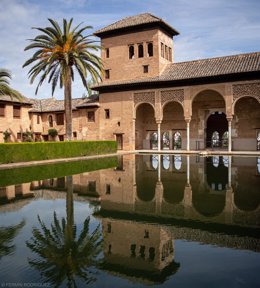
172, 95
240, 90
144, 97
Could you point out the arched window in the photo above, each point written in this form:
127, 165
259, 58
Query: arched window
155, 161
225, 139
177, 162
50, 119
140, 50
166, 140
215, 161
154, 140
177, 140
258, 141
166, 162
150, 49
225, 161
131, 52
215, 139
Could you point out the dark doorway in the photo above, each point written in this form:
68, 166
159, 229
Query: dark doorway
119, 140
217, 126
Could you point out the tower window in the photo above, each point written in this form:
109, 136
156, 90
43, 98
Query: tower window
170, 54
16, 111
140, 50
166, 52
150, 49
107, 74
131, 52
2, 110
107, 52
145, 68
50, 120
162, 49
108, 189
91, 116
107, 113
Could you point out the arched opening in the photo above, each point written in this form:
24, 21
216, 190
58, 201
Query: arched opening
154, 140
150, 49
208, 116
166, 140
50, 120
145, 127
140, 51
166, 162
217, 125
177, 140
177, 162
247, 116
225, 139
131, 52
174, 122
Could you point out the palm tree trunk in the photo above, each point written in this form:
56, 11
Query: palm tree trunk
69, 206
68, 104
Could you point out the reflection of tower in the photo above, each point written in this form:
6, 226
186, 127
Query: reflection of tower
138, 250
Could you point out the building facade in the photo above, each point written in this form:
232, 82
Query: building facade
146, 101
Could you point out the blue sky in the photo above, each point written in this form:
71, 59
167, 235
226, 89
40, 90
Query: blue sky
207, 28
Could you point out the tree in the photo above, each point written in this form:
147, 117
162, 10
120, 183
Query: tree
7, 234
60, 52
5, 89
63, 255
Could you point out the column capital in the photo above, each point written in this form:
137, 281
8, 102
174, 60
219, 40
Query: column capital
187, 120
158, 121
229, 118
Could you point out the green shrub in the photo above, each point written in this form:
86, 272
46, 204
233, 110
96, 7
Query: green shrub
52, 132
21, 152
41, 172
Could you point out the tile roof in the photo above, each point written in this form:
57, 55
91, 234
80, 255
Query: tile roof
54, 105
196, 69
133, 21
23, 100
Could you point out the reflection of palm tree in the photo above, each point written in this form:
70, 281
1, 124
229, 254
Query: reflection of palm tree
7, 235
63, 255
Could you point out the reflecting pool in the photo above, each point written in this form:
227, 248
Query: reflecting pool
132, 221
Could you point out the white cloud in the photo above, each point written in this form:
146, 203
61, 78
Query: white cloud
208, 28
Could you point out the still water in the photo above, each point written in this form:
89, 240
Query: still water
135, 221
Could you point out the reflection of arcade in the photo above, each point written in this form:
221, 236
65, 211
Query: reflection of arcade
139, 251
205, 189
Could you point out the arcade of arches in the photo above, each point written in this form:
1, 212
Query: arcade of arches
207, 120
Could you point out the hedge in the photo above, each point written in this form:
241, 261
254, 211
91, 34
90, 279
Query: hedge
22, 152
35, 173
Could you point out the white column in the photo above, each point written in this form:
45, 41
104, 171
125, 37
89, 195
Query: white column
229, 171
133, 135
188, 135
229, 135
159, 136
159, 168
188, 170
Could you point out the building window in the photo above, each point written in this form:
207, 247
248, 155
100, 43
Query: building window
50, 120
19, 136
145, 68
2, 110
177, 140
107, 113
91, 116
75, 135
166, 52
170, 54
215, 139
150, 49
258, 141
107, 52
131, 50
140, 51
60, 119
16, 111
162, 49
109, 228
107, 74
38, 119
108, 189
92, 186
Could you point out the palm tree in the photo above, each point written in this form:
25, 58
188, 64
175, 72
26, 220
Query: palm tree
60, 52
7, 235
63, 255
5, 89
